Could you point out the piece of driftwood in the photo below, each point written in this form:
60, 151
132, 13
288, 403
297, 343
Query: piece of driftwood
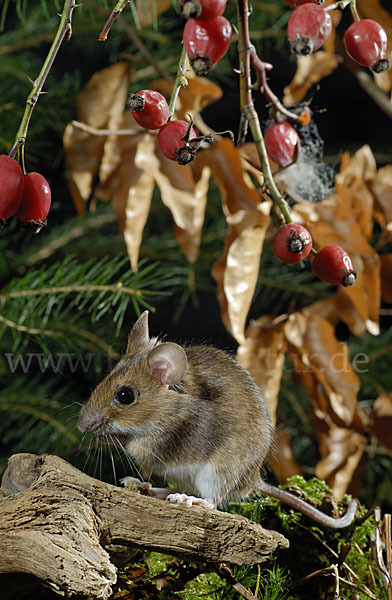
60, 525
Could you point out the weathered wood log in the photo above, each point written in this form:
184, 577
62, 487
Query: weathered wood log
58, 524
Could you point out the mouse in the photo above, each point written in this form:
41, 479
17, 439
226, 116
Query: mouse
194, 416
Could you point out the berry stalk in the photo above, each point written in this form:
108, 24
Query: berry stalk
117, 10
248, 111
180, 81
64, 30
341, 4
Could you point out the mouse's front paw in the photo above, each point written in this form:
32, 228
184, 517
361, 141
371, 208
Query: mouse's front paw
135, 482
189, 500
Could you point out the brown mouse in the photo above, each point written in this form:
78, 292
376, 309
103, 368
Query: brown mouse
192, 415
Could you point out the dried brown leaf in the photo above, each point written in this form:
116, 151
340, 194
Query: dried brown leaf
386, 277
199, 92
382, 420
100, 105
341, 450
281, 460
262, 354
381, 187
310, 70
323, 364
237, 270
345, 219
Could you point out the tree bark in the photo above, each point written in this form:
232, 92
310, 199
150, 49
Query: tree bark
62, 526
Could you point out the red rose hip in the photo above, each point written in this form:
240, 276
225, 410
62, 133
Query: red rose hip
308, 28
11, 186
333, 265
149, 109
172, 143
292, 243
299, 2
206, 42
36, 201
203, 10
281, 140
366, 43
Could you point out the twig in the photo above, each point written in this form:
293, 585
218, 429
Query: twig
261, 68
226, 573
376, 543
116, 12
388, 551
248, 111
143, 49
95, 131
64, 30
180, 81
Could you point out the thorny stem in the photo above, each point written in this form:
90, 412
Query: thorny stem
64, 30
248, 111
117, 10
180, 82
261, 68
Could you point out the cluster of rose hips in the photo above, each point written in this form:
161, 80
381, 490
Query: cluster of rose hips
177, 139
310, 26
293, 243
207, 34
26, 196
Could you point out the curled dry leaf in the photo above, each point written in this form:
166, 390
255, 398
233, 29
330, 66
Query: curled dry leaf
262, 354
281, 460
101, 106
199, 92
341, 450
310, 70
382, 420
237, 270
323, 364
386, 277
147, 12
345, 219
381, 187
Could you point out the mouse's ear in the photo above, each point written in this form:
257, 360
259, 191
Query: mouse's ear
139, 333
168, 363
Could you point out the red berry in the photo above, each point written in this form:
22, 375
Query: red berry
172, 144
36, 201
206, 42
333, 264
366, 43
281, 140
11, 186
292, 243
299, 2
203, 10
149, 109
308, 27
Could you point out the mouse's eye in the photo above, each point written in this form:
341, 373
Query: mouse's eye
125, 395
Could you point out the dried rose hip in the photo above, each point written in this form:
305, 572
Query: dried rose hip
366, 43
203, 10
333, 265
149, 109
281, 140
36, 201
11, 186
206, 42
172, 143
292, 243
308, 28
